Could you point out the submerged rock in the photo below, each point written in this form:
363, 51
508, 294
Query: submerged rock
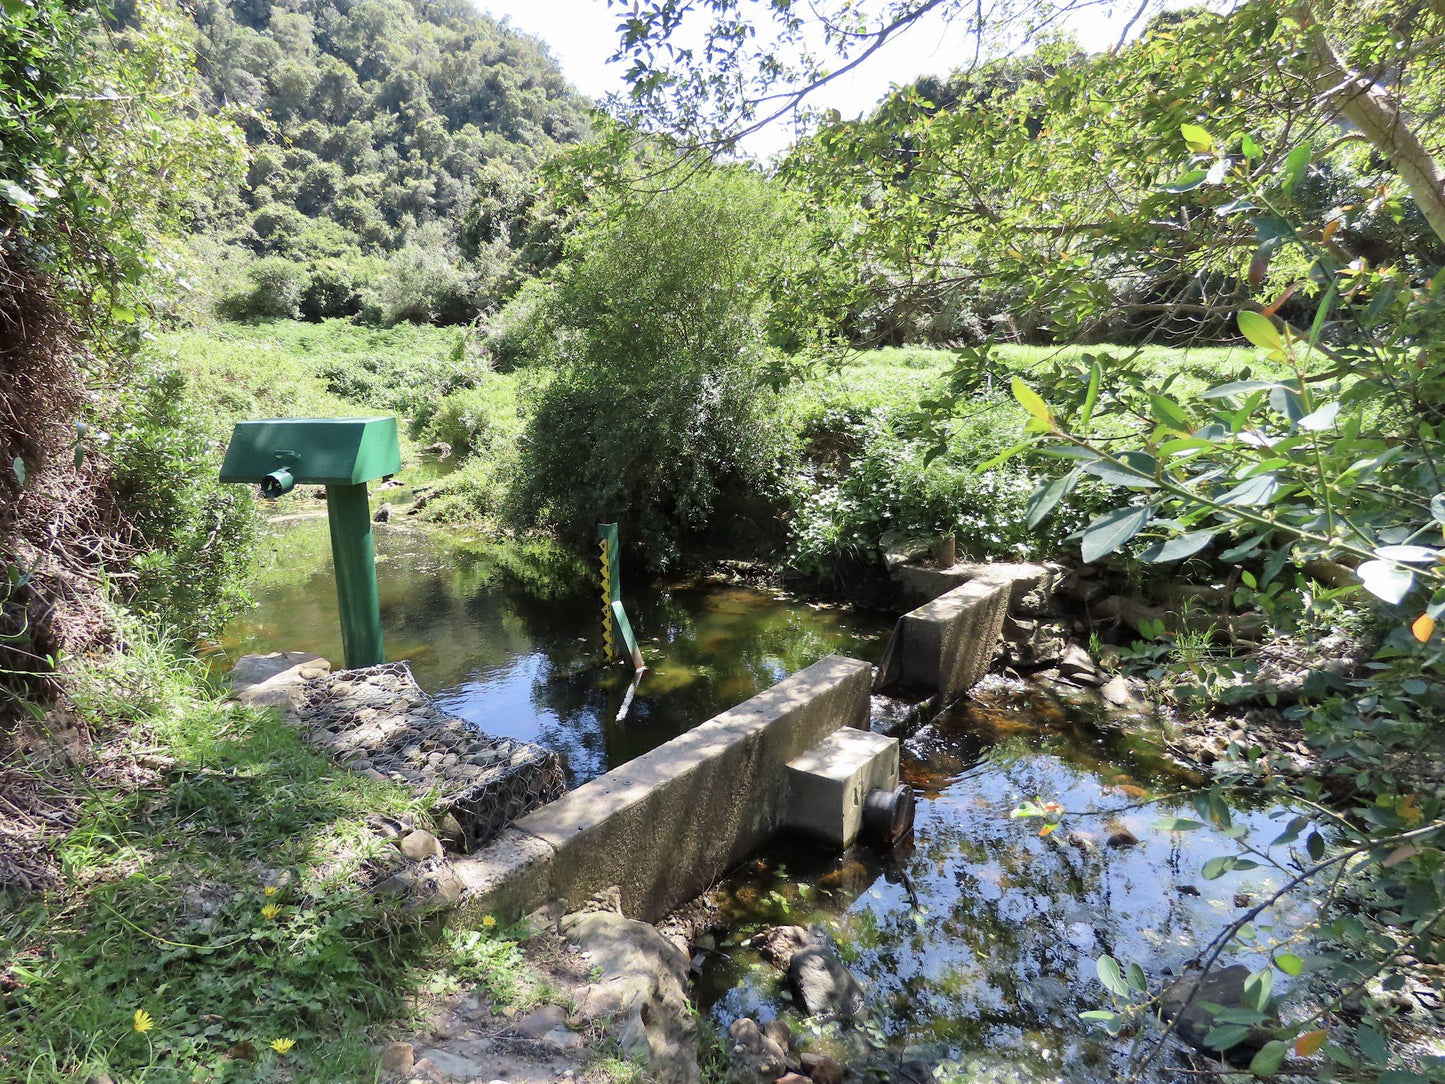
823, 984
1187, 1003
753, 1057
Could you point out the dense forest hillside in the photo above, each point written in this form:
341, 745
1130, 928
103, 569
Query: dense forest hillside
392, 149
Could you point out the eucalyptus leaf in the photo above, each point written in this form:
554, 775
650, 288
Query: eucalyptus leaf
1109, 532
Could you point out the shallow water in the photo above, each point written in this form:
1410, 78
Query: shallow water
977, 939
509, 637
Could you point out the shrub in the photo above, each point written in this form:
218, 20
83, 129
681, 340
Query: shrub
272, 286
194, 533
660, 401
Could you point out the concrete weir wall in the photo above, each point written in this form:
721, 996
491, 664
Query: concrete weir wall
946, 645
667, 825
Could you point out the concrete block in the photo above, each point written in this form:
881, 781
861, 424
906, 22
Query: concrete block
1031, 586
665, 826
828, 783
946, 646
508, 877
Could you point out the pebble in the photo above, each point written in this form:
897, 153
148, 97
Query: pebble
420, 845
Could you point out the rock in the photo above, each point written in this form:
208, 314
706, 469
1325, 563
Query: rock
822, 1069
444, 1065
419, 845
752, 1057
564, 1038
1183, 1003
397, 1058
1076, 665
1032, 643
643, 987
1122, 837
793, 1078
779, 944
778, 1031
914, 1072
899, 548
823, 985
397, 885
536, 1024
382, 514
274, 680
441, 449
1117, 692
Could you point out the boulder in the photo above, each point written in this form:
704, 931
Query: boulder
1191, 1002
823, 984
275, 680
822, 1069
420, 845
778, 944
752, 1056
642, 986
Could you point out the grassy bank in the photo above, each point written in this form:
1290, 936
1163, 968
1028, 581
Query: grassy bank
210, 916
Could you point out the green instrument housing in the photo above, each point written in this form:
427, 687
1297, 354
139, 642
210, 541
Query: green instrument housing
342, 454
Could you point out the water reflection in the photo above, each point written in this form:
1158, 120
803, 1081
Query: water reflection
509, 638
978, 943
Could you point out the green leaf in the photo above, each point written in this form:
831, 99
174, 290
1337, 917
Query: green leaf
1177, 549
1170, 413
1111, 976
17, 468
1138, 981
1295, 164
1189, 181
1249, 148
1289, 963
1217, 867
1239, 387
1253, 492
1260, 330
1372, 1044
1091, 397
1047, 496
1196, 138
1258, 987
1112, 530
1223, 1038
1030, 401
1135, 469
1269, 1058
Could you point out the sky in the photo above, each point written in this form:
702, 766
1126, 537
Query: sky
582, 34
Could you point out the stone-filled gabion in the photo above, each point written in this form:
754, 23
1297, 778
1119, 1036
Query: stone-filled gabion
377, 720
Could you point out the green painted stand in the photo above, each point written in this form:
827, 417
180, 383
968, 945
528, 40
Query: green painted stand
342, 454
354, 558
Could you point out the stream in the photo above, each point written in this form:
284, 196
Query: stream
976, 939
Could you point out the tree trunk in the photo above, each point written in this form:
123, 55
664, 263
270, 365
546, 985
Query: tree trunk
1377, 114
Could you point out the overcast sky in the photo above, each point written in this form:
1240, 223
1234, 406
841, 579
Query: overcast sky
583, 34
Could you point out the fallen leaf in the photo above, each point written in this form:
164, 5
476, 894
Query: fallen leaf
1309, 1042
1422, 628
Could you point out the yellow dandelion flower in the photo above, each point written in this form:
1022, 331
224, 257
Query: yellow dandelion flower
489, 921
271, 890
142, 1021
270, 911
281, 1046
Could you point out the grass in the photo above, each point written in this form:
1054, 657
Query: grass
214, 881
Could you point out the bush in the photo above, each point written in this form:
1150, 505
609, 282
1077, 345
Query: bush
470, 419
194, 533
661, 400
424, 283
272, 286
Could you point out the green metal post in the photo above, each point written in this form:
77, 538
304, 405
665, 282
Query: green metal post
355, 559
